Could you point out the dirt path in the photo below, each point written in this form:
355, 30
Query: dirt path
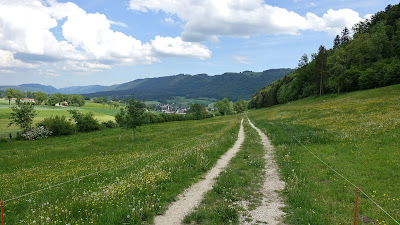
192, 196
270, 210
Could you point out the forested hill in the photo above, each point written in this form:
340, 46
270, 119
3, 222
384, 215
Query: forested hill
368, 59
234, 86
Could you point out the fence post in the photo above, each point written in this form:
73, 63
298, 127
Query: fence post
2, 214
200, 144
292, 137
356, 211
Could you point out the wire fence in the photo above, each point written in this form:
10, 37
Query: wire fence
113, 167
335, 171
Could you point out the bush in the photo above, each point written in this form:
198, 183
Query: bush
85, 122
36, 133
109, 124
59, 125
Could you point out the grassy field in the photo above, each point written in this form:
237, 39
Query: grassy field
186, 102
130, 182
101, 113
357, 134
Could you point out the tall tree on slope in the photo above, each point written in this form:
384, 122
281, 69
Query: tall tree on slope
320, 68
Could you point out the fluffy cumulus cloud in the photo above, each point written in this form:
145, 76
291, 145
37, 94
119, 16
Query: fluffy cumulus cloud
26, 39
167, 46
8, 62
208, 20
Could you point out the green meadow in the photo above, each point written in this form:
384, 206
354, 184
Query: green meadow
358, 135
101, 113
125, 182
120, 181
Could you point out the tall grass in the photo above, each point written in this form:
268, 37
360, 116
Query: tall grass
145, 175
355, 133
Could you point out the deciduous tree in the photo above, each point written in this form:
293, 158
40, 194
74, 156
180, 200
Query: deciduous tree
198, 110
240, 106
132, 116
22, 116
224, 107
40, 97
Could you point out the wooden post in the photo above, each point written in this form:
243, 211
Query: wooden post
2, 214
356, 211
292, 137
200, 144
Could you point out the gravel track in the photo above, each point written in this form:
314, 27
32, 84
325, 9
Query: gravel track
192, 196
270, 210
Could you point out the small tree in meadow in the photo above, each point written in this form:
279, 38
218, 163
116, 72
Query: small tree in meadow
240, 106
224, 107
132, 116
198, 110
22, 116
84, 122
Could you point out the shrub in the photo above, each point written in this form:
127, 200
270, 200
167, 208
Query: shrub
109, 124
59, 125
85, 122
36, 133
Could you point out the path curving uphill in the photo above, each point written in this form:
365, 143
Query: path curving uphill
192, 196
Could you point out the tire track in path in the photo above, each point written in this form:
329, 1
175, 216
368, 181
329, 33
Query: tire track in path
270, 210
193, 195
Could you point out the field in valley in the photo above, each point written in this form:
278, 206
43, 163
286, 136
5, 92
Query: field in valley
101, 113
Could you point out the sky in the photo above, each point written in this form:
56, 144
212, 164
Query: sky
101, 42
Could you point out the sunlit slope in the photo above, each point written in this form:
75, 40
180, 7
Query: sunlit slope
358, 134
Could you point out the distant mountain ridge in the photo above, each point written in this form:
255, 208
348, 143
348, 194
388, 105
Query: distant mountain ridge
231, 85
32, 88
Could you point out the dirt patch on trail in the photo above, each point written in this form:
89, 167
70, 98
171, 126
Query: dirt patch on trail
192, 196
270, 210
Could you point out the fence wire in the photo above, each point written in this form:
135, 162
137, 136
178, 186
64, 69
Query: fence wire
380, 207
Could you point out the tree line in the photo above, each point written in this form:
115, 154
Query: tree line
369, 58
130, 117
42, 98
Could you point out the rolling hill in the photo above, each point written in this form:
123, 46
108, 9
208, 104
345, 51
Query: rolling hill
234, 86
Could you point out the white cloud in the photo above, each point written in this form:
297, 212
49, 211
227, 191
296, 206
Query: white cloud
169, 20
241, 59
49, 73
8, 62
208, 20
333, 21
116, 23
168, 46
89, 42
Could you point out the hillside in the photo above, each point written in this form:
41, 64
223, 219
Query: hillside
231, 85
82, 89
368, 59
32, 88
357, 134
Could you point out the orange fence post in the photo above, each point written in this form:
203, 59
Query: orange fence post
2, 214
356, 211
200, 143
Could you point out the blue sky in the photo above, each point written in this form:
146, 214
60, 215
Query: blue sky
85, 42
